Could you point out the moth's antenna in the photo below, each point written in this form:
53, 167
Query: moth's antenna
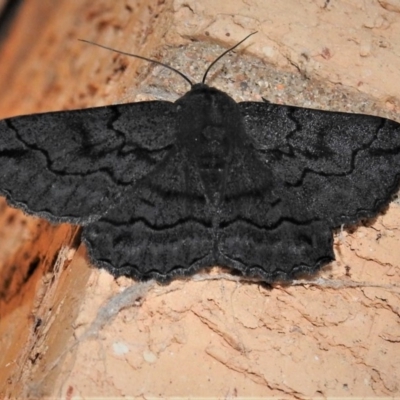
225, 52
144, 58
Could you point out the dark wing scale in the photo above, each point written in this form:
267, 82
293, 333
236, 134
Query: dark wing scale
161, 228
330, 166
73, 165
322, 169
256, 236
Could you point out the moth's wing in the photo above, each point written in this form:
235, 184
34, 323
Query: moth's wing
299, 174
331, 166
73, 165
160, 228
256, 236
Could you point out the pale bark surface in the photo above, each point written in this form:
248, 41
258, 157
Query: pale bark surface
65, 328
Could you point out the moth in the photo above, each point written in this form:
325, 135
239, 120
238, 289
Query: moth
165, 189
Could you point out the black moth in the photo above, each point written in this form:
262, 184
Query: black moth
164, 189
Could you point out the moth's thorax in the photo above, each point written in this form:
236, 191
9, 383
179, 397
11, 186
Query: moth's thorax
209, 122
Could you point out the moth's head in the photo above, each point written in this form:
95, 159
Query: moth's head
205, 105
207, 117
200, 92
